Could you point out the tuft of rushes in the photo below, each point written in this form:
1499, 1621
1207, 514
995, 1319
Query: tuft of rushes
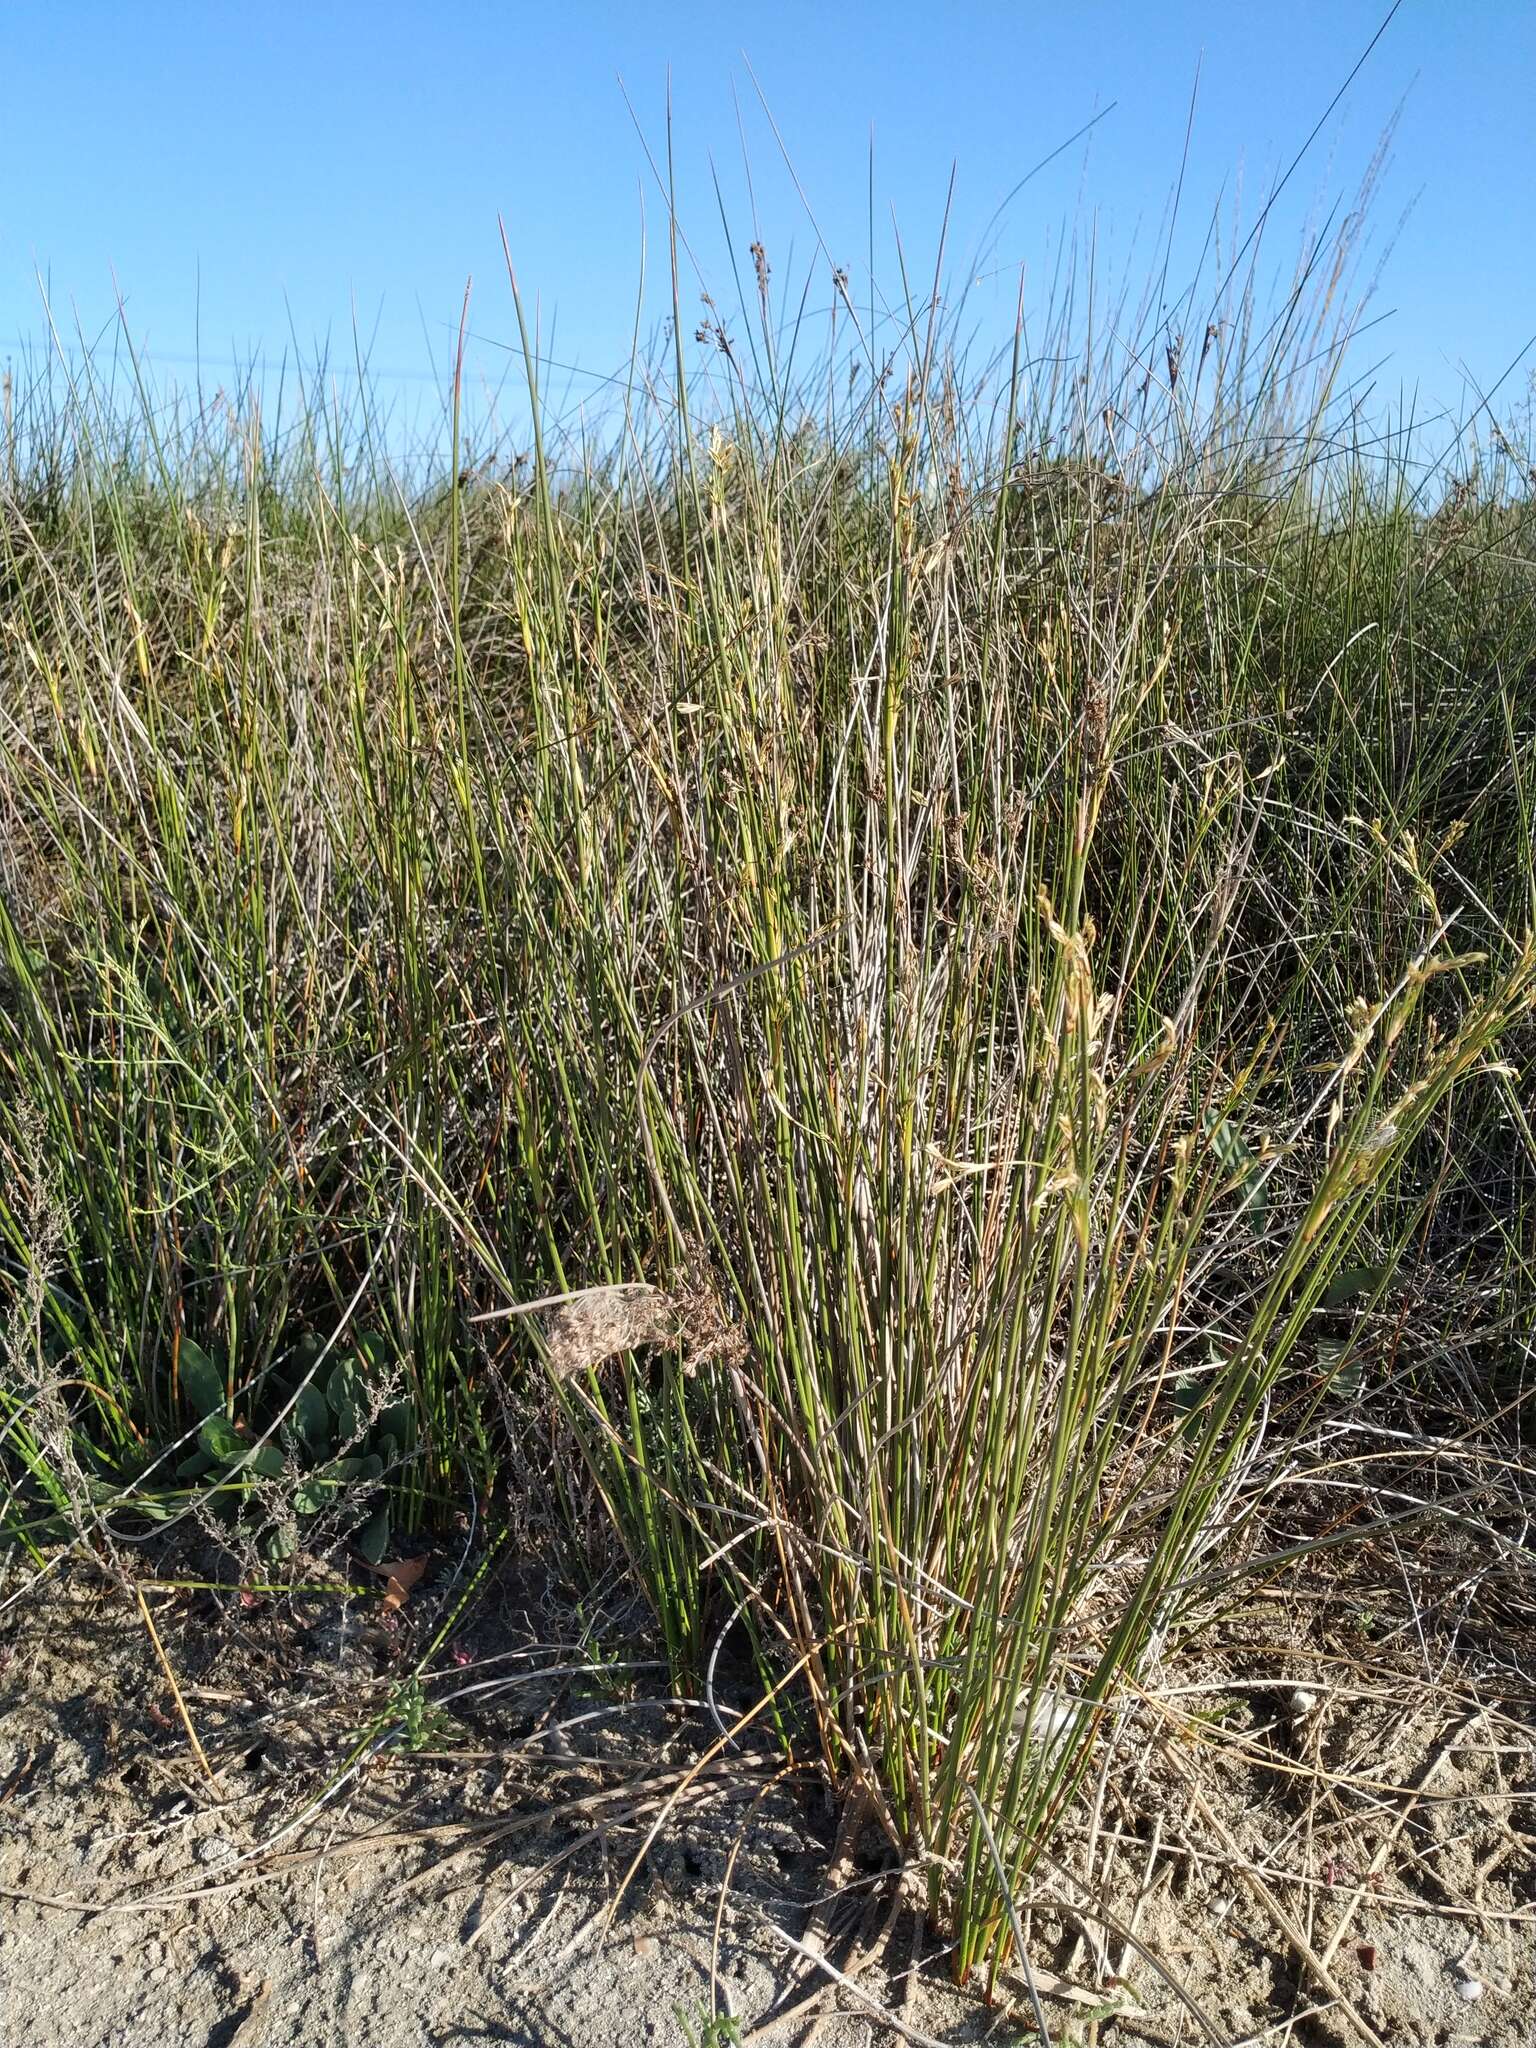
833, 998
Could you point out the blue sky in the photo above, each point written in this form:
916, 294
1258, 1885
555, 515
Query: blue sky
250, 175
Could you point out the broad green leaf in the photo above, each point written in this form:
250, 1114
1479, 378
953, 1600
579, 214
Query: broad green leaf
1351, 1282
155, 1509
202, 1383
1237, 1158
1186, 1393
220, 1440
1342, 1366
373, 1351
399, 1421
268, 1460
358, 1470
312, 1419
344, 1392
306, 1354
373, 1537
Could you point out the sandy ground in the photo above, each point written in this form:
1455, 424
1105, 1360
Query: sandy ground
463, 1893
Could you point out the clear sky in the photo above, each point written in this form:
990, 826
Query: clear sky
254, 175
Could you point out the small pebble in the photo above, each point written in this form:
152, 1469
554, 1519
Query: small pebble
1302, 1703
440, 1959
1469, 1989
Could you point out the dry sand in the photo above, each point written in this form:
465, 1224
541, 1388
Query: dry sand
462, 1894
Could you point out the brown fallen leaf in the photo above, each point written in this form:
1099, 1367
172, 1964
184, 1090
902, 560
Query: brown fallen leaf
400, 1577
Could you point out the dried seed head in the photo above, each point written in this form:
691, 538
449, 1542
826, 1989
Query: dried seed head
601, 1322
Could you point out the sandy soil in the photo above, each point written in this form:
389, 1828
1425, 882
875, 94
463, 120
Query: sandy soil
1261, 1849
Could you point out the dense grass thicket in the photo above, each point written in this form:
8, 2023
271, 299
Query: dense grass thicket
901, 1005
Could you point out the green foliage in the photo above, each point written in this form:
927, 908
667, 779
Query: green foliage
328, 1440
420, 1725
1236, 1159
703, 2030
202, 1384
1017, 965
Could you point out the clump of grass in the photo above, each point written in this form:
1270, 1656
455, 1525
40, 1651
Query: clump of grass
864, 975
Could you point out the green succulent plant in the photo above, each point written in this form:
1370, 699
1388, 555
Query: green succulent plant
328, 1441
